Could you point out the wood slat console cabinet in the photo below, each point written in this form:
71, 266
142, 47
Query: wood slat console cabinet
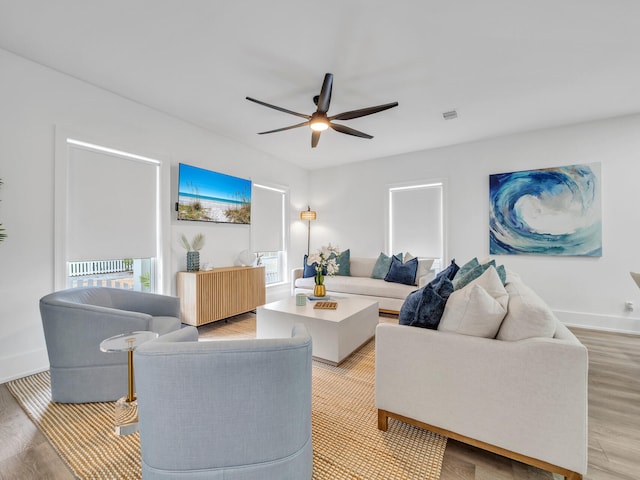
207, 296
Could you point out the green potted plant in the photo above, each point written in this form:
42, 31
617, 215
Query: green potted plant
193, 251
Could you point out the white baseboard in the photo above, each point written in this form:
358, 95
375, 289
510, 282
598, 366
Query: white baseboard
610, 323
24, 364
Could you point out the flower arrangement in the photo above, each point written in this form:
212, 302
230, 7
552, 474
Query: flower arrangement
326, 262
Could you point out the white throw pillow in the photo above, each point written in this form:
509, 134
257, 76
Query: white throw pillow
472, 311
490, 281
527, 314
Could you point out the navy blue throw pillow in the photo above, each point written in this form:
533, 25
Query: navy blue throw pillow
402, 272
424, 307
409, 307
309, 270
450, 271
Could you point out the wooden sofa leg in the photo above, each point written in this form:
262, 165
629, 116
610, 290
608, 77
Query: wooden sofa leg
383, 421
573, 476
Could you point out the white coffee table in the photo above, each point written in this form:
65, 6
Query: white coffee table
336, 334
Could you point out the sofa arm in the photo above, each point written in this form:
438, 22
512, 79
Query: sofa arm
528, 397
296, 273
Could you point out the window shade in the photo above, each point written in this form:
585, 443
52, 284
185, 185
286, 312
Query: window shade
112, 206
267, 223
416, 220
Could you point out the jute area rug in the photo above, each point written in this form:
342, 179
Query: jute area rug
346, 441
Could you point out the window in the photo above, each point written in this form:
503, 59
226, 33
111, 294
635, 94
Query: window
416, 220
268, 230
109, 218
129, 273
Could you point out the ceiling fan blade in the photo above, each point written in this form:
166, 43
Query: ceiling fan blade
279, 108
363, 112
349, 131
315, 138
324, 100
303, 124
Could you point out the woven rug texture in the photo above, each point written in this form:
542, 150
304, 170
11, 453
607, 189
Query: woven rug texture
346, 441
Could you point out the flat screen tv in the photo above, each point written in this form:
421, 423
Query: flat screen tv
207, 196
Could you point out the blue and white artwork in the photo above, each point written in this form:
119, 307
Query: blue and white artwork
552, 211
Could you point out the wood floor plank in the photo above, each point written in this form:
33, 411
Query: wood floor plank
25, 453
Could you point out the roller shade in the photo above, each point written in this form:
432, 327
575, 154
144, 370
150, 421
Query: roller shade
416, 220
267, 219
112, 206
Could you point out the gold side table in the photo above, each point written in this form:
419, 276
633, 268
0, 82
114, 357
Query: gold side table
126, 412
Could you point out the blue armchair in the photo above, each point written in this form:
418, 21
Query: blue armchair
75, 321
232, 410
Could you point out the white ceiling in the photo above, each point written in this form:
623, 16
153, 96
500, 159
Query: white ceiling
505, 65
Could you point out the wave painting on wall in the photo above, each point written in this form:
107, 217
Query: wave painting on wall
552, 211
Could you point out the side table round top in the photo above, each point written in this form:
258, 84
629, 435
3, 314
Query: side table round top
126, 341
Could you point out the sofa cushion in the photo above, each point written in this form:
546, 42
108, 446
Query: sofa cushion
402, 272
527, 314
477, 309
383, 264
361, 266
359, 286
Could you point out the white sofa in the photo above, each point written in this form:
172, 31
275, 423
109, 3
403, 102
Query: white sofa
522, 398
389, 295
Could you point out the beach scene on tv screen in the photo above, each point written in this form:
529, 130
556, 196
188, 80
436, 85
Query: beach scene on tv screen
207, 196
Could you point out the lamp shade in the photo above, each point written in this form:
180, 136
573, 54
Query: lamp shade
308, 215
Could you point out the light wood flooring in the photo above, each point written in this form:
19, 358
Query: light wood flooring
614, 420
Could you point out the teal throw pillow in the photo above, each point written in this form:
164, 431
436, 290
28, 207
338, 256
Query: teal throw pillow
502, 273
344, 263
383, 264
471, 275
402, 272
466, 268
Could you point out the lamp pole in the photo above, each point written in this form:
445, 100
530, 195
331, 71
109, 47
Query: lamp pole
308, 215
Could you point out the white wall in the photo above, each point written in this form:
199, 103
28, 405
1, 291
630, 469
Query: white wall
351, 205
35, 101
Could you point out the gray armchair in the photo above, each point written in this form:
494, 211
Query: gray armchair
75, 321
234, 409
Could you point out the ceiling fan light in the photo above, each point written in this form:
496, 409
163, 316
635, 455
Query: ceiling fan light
319, 124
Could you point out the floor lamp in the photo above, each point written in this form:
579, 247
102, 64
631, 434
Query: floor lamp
308, 215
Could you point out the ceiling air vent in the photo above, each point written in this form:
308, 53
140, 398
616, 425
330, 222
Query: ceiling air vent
450, 115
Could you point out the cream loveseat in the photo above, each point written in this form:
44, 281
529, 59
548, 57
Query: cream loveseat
389, 295
522, 394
